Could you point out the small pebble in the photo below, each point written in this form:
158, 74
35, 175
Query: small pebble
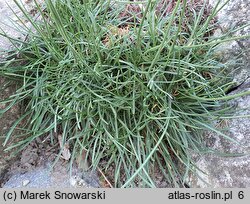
26, 182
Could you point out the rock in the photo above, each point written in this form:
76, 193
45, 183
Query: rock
78, 182
42, 177
231, 171
8, 18
6, 24
37, 166
25, 182
228, 171
39, 178
235, 53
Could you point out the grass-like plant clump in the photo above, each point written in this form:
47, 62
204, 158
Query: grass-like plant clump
133, 85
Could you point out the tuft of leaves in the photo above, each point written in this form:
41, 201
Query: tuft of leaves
131, 90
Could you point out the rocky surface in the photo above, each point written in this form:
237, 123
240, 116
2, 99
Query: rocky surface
6, 24
36, 169
231, 171
228, 171
234, 15
42, 177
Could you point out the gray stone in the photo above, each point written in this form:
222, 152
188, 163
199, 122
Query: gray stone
231, 171
6, 24
41, 177
228, 171
235, 53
